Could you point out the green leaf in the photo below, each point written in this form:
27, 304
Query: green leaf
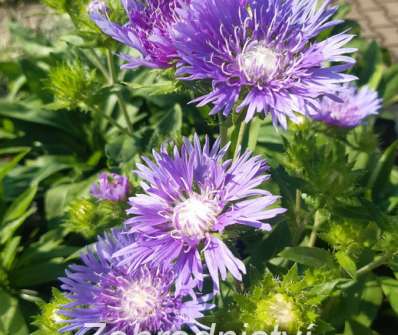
359, 302
38, 274
121, 149
8, 229
391, 91
381, 174
48, 247
307, 256
269, 246
171, 123
355, 328
20, 204
373, 71
9, 252
346, 263
390, 289
57, 198
325, 289
371, 297
36, 114
11, 319
160, 88
7, 167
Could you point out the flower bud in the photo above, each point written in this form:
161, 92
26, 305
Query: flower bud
279, 310
111, 186
50, 320
287, 305
81, 214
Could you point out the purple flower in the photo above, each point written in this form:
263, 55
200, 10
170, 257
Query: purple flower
110, 186
190, 197
102, 291
261, 55
146, 31
354, 106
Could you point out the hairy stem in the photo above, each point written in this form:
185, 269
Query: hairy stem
300, 219
112, 121
315, 228
223, 128
378, 261
92, 56
113, 80
255, 126
242, 129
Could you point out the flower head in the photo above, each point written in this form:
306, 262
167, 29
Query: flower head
354, 106
110, 186
103, 291
286, 303
261, 54
146, 31
190, 197
49, 320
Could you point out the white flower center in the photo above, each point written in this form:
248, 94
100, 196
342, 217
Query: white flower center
258, 61
283, 311
195, 216
56, 317
140, 301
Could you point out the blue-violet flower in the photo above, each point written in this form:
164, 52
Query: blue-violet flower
190, 197
261, 55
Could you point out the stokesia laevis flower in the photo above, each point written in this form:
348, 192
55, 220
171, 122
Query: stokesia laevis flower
146, 31
190, 196
103, 291
354, 106
110, 186
261, 55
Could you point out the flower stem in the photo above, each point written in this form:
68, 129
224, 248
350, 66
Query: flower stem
300, 219
111, 120
242, 129
223, 130
315, 228
255, 126
113, 80
92, 56
378, 261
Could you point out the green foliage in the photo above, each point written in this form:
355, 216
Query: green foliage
90, 219
288, 303
48, 320
350, 236
67, 112
321, 161
72, 85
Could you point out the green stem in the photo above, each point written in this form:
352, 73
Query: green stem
113, 80
315, 228
378, 261
111, 121
255, 126
242, 128
300, 221
96, 61
223, 130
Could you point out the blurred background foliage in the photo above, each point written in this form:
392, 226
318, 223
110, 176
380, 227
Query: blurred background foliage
67, 112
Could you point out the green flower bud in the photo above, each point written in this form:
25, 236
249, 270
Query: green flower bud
81, 215
288, 304
72, 85
89, 218
280, 310
48, 322
351, 236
